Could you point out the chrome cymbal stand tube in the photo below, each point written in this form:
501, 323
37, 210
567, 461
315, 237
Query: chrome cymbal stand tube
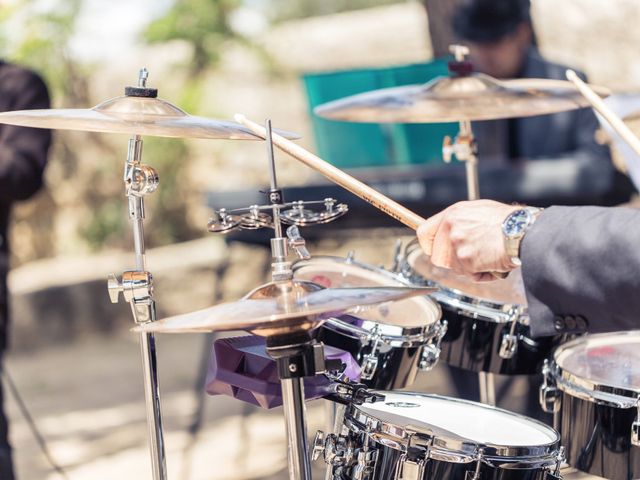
137, 285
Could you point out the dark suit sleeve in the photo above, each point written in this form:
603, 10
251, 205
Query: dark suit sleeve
23, 151
581, 268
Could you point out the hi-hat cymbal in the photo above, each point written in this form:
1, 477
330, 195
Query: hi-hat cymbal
278, 308
452, 99
134, 115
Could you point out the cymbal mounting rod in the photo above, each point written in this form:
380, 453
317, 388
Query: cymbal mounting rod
137, 289
277, 226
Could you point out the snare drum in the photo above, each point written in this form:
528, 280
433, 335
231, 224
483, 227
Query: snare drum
413, 436
391, 342
593, 386
488, 323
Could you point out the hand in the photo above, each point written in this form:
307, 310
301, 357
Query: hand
467, 238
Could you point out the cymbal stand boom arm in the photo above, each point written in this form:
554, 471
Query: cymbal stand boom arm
137, 289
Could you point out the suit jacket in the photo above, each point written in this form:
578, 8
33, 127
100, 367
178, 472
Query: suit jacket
23, 155
557, 149
581, 270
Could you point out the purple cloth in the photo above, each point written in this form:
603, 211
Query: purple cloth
241, 368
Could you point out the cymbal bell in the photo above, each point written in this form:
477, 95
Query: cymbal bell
134, 116
452, 99
281, 307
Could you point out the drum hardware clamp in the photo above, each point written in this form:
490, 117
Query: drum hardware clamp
137, 290
549, 394
339, 452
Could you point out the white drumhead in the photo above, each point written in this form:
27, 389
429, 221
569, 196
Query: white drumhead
508, 291
449, 418
609, 359
340, 273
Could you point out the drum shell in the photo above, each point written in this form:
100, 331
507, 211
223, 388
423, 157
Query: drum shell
388, 460
474, 344
397, 366
597, 439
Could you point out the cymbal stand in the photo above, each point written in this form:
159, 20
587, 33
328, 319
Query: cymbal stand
296, 355
137, 285
464, 148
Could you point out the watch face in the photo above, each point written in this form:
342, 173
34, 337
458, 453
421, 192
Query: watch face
516, 223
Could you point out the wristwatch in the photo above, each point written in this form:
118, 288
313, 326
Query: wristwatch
513, 229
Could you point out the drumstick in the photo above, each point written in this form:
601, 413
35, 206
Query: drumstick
603, 109
355, 186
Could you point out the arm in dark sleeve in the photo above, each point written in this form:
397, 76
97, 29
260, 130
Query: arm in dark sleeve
23, 151
582, 265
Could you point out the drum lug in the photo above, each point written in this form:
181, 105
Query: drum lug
635, 428
549, 394
556, 475
475, 474
509, 345
369, 366
317, 448
365, 465
409, 469
431, 353
370, 360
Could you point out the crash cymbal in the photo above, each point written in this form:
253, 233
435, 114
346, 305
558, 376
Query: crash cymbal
133, 115
452, 99
278, 308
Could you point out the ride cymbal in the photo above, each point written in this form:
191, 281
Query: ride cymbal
452, 99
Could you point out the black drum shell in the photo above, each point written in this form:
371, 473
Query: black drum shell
474, 344
597, 438
389, 459
397, 366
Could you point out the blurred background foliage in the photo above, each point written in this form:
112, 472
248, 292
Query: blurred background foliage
83, 208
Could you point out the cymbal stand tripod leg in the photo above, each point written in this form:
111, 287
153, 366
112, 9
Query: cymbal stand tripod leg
137, 289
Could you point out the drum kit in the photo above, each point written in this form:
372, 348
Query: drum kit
355, 334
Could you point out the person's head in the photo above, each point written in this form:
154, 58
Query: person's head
497, 32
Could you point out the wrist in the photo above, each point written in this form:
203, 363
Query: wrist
514, 228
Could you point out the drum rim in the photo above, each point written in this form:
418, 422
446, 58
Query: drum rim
591, 390
411, 337
488, 310
455, 450
428, 330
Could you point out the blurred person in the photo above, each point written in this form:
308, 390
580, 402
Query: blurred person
580, 265
502, 43
545, 154
23, 156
